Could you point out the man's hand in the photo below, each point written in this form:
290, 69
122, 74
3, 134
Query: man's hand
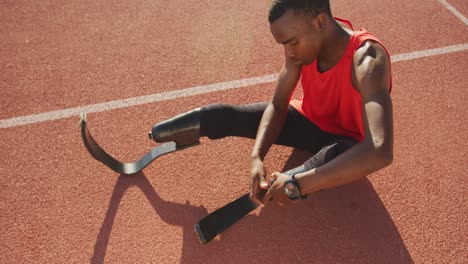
270, 127
276, 190
257, 180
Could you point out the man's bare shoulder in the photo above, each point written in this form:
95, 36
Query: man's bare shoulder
371, 61
370, 51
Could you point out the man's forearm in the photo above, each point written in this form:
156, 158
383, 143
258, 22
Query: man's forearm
268, 130
354, 164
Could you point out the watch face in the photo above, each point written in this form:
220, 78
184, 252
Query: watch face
291, 190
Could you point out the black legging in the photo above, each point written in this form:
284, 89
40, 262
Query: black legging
222, 120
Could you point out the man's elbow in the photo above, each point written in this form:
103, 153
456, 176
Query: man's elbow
383, 152
387, 157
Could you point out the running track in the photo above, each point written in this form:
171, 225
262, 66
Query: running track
133, 64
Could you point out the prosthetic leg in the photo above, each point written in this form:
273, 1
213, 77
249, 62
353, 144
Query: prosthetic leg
180, 132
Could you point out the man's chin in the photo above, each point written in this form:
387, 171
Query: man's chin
306, 62
298, 62
301, 62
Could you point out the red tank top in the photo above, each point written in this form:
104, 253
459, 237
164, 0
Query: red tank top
330, 101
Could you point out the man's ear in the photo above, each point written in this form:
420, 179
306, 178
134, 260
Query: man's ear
321, 21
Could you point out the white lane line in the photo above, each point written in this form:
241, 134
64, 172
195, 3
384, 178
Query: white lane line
429, 53
134, 101
454, 11
223, 86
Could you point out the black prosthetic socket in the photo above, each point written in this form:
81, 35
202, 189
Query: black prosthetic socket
183, 129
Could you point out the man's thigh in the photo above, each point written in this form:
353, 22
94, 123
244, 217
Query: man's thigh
300, 132
227, 120
223, 120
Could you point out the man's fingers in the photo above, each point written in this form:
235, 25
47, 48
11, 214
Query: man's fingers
267, 196
272, 181
275, 175
252, 184
263, 182
255, 199
254, 192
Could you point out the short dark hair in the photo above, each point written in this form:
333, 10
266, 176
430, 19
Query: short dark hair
309, 7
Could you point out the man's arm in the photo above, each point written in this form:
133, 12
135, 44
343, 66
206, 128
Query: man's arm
371, 77
270, 126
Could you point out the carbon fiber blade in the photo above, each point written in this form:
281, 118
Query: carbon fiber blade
121, 167
218, 221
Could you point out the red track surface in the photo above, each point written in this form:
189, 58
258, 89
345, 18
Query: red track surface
58, 205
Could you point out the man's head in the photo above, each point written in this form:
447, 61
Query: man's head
309, 8
300, 26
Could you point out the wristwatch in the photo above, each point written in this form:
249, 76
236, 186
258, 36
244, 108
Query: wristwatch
292, 189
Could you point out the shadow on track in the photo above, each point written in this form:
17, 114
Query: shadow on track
184, 215
344, 225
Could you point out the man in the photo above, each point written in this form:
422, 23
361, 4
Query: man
345, 116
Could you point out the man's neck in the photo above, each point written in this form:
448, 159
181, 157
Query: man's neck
334, 46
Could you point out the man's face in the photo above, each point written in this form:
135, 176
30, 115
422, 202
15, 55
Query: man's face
299, 34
